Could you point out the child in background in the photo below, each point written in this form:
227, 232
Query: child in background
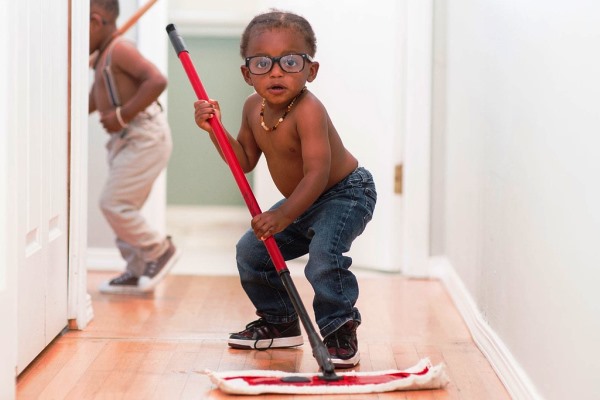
125, 92
328, 198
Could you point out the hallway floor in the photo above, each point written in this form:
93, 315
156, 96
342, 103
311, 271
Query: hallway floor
157, 346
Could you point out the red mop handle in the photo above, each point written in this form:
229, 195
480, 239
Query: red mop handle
224, 145
320, 352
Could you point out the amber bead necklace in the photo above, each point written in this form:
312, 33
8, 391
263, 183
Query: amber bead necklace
280, 120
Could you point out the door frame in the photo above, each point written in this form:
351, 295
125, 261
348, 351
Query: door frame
418, 86
79, 310
8, 203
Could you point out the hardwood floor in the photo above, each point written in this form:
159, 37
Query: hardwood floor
157, 346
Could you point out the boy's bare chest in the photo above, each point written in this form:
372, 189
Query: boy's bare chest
111, 86
280, 143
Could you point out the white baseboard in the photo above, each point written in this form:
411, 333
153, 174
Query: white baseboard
104, 259
493, 348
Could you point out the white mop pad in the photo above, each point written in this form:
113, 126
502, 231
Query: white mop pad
421, 376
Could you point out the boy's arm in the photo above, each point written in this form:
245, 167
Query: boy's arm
150, 81
91, 102
244, 147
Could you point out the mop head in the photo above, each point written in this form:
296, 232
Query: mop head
421, 376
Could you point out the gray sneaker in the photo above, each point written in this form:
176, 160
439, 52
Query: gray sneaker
126, 283
156, 270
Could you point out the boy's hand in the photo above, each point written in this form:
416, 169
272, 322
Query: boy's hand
110, 122
204, 111
269, 223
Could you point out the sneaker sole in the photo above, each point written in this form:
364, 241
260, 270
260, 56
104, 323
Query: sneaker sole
349, 363
106, 288
146, 284
281, 343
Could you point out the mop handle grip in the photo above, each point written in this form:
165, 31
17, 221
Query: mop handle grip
224, 145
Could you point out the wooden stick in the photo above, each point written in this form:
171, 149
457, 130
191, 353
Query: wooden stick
134, 18
125, 27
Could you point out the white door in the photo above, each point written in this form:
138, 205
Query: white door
40, 71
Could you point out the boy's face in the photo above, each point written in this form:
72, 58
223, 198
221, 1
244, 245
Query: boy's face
277, 85
99, 28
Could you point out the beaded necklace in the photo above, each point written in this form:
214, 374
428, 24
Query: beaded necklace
280, 120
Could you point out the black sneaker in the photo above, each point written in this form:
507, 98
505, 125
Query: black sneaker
343, 346
156, 270
126, 283
261, 335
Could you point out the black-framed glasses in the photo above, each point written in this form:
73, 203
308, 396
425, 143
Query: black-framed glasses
260, 65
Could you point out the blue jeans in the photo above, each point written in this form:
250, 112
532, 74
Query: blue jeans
325, 232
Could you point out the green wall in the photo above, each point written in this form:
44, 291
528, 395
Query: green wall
196, 175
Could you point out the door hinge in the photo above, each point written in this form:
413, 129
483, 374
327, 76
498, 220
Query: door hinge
398, 170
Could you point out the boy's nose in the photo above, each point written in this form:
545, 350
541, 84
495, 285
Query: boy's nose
276, 70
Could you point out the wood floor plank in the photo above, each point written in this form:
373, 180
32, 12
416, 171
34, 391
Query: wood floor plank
158, 346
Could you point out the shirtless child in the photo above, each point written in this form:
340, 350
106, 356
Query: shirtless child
125, 92
328, 198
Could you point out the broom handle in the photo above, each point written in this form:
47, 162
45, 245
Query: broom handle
319, 350
134, 18
125, 27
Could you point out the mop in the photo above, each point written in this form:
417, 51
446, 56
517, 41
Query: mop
421, 376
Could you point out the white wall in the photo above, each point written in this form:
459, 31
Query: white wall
521, 213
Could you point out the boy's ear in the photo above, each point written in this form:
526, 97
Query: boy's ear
246, 74
313, 70
95, 19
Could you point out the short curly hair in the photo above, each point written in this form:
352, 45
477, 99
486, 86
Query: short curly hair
110, 6
275, 19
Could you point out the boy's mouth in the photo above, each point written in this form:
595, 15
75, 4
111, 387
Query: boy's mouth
276, 88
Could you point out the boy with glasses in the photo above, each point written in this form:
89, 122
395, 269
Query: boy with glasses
328, 198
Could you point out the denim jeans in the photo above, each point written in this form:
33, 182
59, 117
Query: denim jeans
325, 232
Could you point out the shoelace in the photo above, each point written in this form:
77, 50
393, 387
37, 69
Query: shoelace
340, 340
123, 278
260, 328
152, 267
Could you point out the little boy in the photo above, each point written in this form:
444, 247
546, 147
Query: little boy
328, 198
125, 92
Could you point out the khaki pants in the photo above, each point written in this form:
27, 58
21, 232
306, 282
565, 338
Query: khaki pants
136, 157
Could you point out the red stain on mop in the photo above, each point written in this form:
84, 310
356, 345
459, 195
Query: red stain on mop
346, 380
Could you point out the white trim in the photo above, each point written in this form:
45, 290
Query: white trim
104, 259
417, 135
8, 258
493, 348
79, 306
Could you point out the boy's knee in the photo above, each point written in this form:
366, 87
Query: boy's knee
113, 209
249, 249
244, 246
105, 204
